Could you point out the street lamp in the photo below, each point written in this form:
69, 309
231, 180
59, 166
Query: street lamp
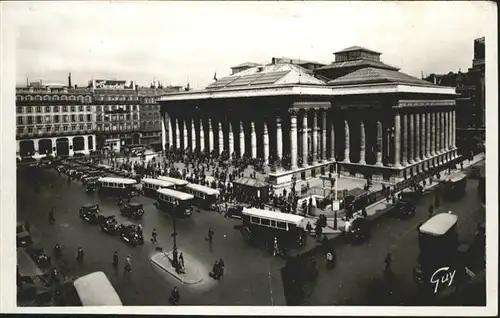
175, 261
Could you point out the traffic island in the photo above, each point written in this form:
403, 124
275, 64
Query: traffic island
191, 274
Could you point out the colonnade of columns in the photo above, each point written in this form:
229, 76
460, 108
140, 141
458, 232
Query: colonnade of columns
417, 135
420, 135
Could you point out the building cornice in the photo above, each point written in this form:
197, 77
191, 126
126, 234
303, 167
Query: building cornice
423, 103
308, 90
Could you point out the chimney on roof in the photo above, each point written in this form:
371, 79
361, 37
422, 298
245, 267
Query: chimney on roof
69, 80
273, 61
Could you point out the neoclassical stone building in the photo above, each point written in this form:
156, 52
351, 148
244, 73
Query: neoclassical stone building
364, 115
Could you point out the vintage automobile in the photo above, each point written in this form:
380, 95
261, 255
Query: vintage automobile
91, 186
403, 209
109, 225
41, 259
23, 236
133, 210
91, 176
359, 230
129, 233
235, 211
90, 213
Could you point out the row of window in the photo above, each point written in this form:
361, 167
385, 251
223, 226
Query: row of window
116, 117
30, 120
128, 108
49, 109
86, 99
269, 223
48, 129
116, 128
115, 98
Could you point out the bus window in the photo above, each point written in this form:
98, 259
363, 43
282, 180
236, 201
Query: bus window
264, 222
254, 220
282, 225
273, 223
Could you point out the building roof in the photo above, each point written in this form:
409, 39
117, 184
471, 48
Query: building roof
275, 216
294, 61
148, 91
375, 75
268, 75
359, 62
244, 64
356, 48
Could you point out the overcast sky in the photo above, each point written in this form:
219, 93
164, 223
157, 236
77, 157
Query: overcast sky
177, 41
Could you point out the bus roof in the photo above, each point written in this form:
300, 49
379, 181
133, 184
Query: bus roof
273, 215
176, 194
117, 180
95, 289
161, 183
457, 176
204, 189
175, 181
439, 224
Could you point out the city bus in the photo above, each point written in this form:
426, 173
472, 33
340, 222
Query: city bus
150, 186
204, 196
179, 184
120, 186
438, 244
176, 202
454, 186
262, 226
95, 289
134, 150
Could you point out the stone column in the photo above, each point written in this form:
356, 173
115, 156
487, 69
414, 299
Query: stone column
170, 131
279, 138
450, 123
379, 145
266, 145
254, 141
185, 133
433, 133
442, 129
305, 151
347, 143
454, 127
405, 139
293, 139
193, 135
242, 140
323, 134
85, 145
411, 144
438, 133
397, 140
428, 135
332, 142
210, 136
221, 139
202, 136
423, 136
177, 135
446, 130
362, 145
417, 137
231, 140
163, 134
315, 137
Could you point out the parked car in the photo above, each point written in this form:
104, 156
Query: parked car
90, 213
403, 209
23, 236
41, 259
132, 210
130, 234
359, 230
109, 225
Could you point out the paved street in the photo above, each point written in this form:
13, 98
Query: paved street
358, 276
252, 276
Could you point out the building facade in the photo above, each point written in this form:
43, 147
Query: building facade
358, 114
61, 119
55, 120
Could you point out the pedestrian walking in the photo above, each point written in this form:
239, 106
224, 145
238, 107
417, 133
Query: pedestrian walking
309, 227
364, 213
175, 296
154, 236
275, 246
181, 260
128, 264
388, 262
79, 254
52, 218
210, 236
115, 259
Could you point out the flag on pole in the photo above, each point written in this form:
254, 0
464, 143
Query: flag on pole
215, 76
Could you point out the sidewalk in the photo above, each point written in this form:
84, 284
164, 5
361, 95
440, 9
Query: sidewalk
379, 208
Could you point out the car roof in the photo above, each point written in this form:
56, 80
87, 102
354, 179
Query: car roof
90, 205
439, 224
135, 204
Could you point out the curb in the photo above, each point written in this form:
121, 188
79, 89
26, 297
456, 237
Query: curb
171, 271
